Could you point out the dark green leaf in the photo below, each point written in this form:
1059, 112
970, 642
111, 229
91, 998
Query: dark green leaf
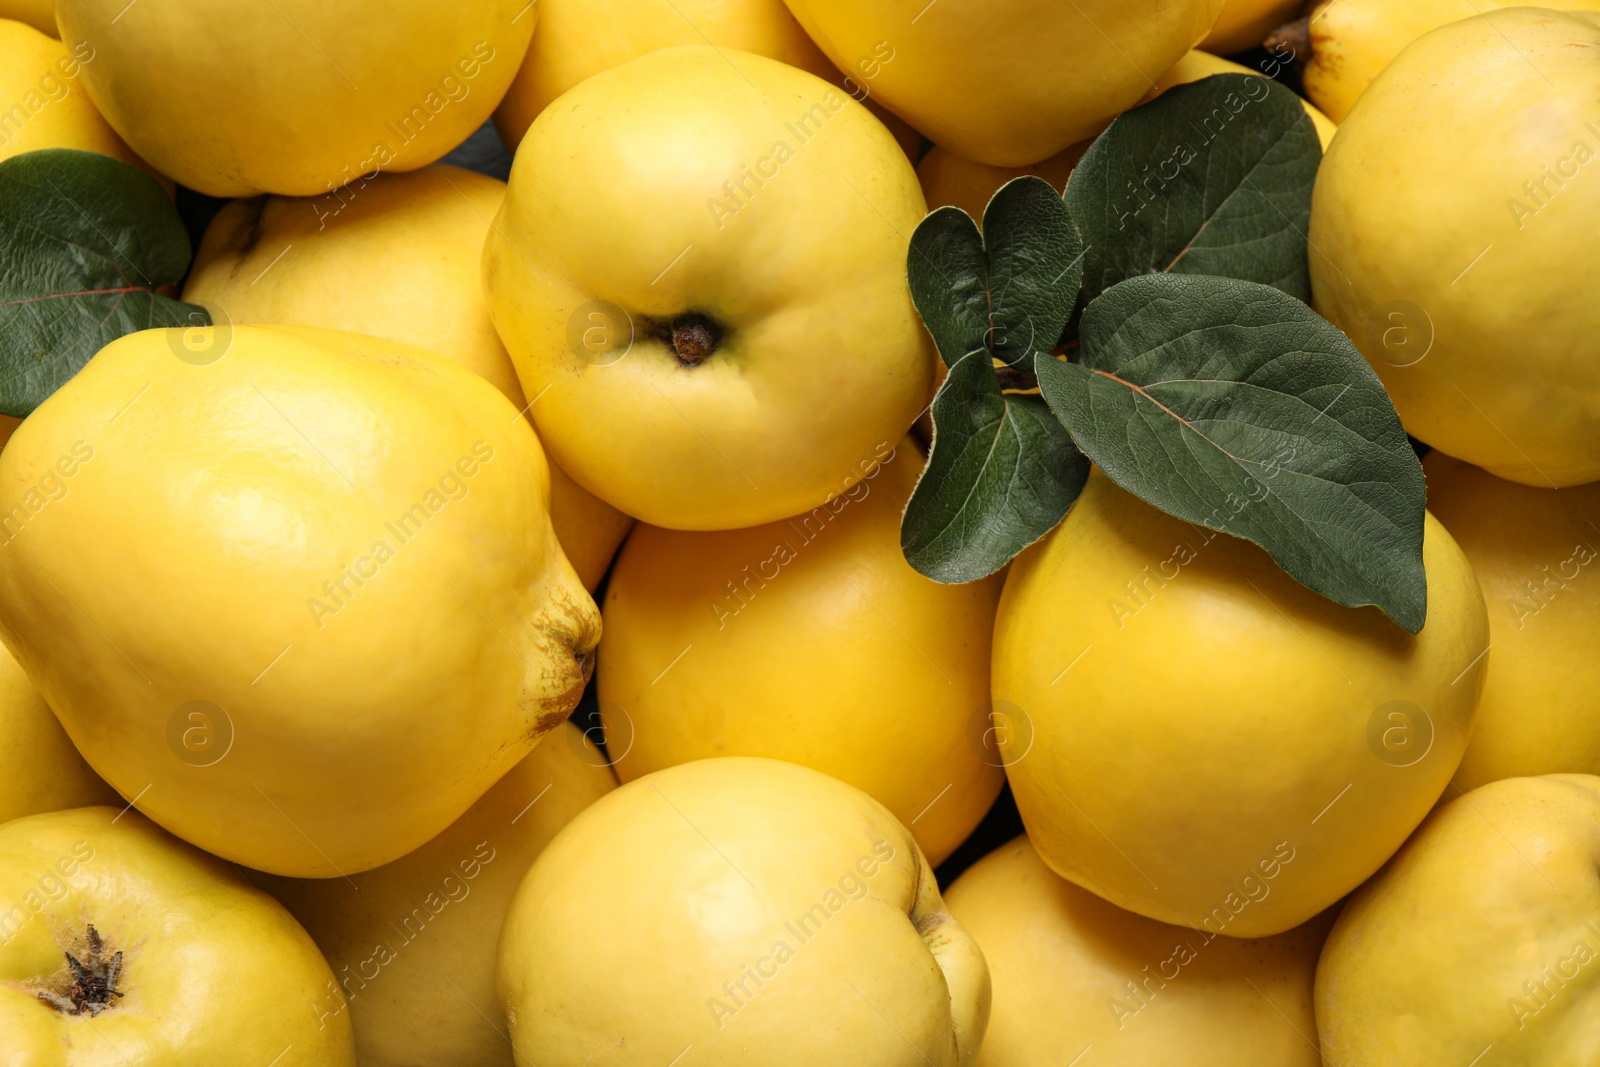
85, 240
1213, 177
1002, 473
949, 279
1234, 406
1035, 269
1010, 289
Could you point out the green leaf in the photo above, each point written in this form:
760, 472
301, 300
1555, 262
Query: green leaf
1213, 177
949, 279
1002, 473
1035, 269
1236, 407
1009, 289
85, 240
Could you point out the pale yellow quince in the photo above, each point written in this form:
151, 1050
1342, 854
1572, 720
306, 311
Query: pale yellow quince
1450, 240
722, 644
1353, 40
121, 945
1536, 553
233, 97
699, 271
300, 602
1479, 940
752, 911
1198, 738
1075, 976
1010, 82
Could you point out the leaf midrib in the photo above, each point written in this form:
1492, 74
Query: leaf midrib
1305, 521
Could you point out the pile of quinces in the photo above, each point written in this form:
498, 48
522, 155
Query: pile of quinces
452, 621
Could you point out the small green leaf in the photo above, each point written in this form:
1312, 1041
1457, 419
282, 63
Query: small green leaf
1236, 407
1035, 269
1002, 473
85, 240
1213, 177
949, 279
1009, 289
